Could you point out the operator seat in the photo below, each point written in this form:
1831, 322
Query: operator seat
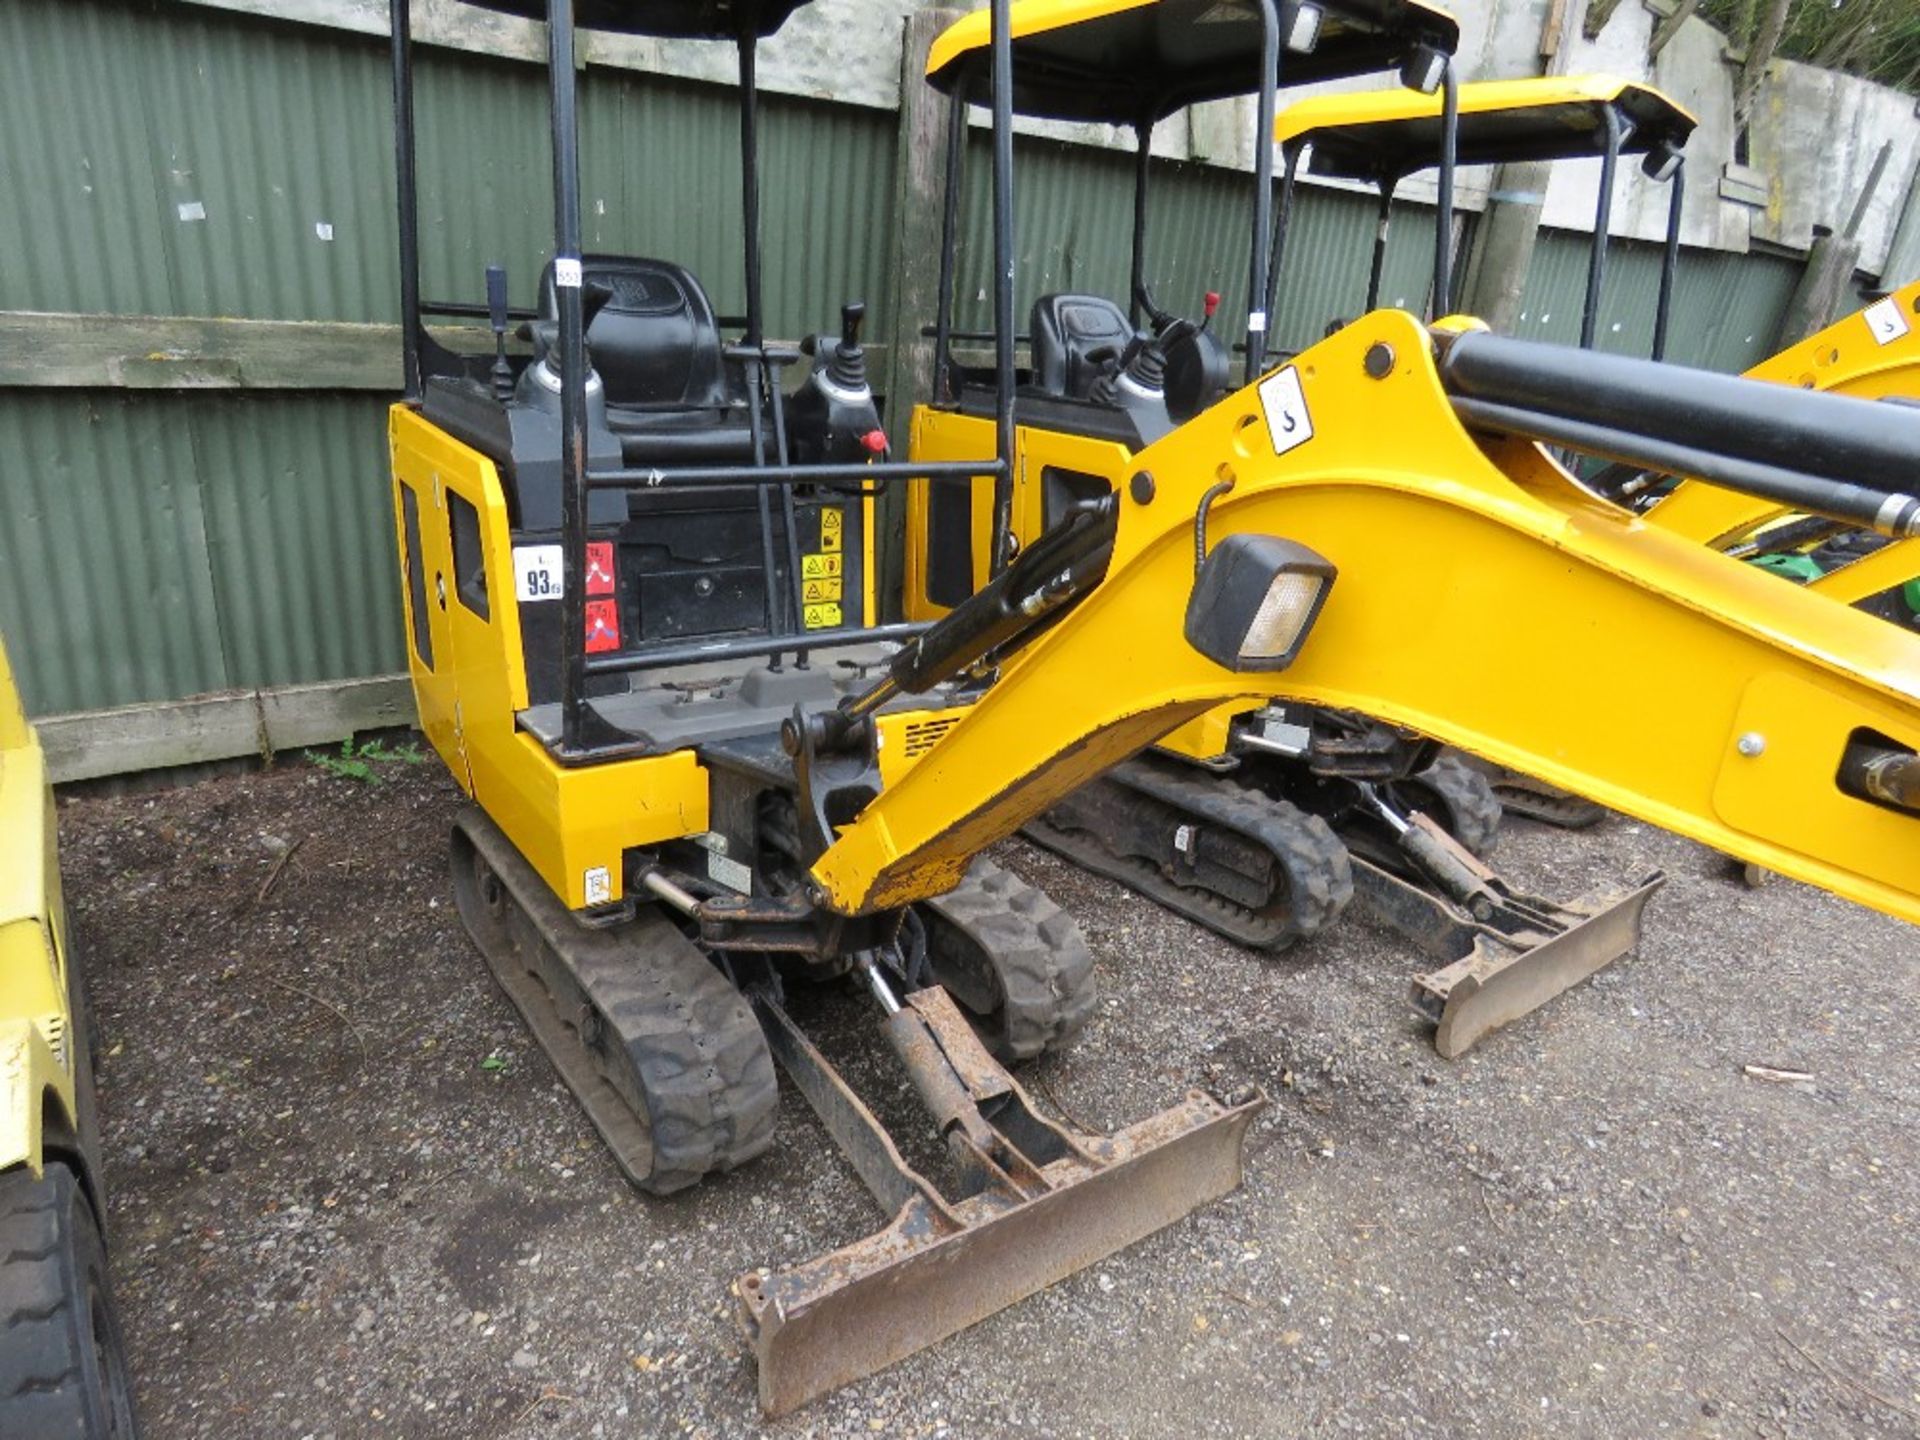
671, 396
1075, 339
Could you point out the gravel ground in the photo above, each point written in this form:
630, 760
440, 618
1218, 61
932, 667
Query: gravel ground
351, 1199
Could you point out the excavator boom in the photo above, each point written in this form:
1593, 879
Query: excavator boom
1482, 597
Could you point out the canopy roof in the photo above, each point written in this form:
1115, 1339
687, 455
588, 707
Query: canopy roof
670, 19
1385, 134
1122, 62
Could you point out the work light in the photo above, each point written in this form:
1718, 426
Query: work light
1303, 32
1423, 69
1662, 160
1254, 601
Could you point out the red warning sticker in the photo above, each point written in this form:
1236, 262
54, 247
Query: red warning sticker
603, 626
599, 567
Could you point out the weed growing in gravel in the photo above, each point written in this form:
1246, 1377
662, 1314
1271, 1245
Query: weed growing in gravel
358, 762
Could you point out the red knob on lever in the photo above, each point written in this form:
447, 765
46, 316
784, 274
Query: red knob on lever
875, 441
1212, 303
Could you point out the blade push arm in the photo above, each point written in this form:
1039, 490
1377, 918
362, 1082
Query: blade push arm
1482, 598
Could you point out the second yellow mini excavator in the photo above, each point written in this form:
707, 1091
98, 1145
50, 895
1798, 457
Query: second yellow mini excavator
1263, 822
694, 786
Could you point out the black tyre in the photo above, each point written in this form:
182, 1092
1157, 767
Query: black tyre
63, 1370
1457, 798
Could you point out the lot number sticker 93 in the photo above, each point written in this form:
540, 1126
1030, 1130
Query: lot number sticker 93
537, 574
1286, 405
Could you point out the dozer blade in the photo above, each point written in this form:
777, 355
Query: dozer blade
1524, 953
1045, 1201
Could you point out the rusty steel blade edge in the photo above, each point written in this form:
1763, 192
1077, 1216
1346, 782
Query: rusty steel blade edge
1496, 986
924, 1276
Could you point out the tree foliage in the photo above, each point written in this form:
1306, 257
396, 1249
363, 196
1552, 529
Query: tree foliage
1879, 39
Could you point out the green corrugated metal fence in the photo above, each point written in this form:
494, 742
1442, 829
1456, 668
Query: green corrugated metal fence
175, 160
1726, 308
162, 545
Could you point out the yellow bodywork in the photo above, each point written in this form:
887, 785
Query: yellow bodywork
1860, 355
569, 822
1536, 111
36, 1053
1483, 598
974, 31
566, 822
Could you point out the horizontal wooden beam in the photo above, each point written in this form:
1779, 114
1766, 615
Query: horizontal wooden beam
91, 744
186, 352
56, 350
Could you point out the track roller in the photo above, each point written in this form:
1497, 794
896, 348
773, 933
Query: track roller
1252, 867
664, 1055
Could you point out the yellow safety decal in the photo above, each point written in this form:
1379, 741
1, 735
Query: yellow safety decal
830, 530
819, 567
812, 591
821, 617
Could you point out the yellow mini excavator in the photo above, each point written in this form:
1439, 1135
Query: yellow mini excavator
1262, 822
1381, 139
693, 784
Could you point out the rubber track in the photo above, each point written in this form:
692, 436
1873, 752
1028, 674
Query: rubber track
43, 1301
1316, 864
1472, 811
686, 1086
1548, 804
1039, 957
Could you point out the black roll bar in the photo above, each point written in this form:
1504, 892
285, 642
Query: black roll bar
1139, 298
1602, 223
1670, 257
694, 652
1443, 207
1258, 310
400, 35
767, 476
949, 242
573, 368
1002, 283
1289, 175
1381, 222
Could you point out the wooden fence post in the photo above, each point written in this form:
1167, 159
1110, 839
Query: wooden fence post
918, 190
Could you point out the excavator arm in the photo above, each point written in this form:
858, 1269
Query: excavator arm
1480, 596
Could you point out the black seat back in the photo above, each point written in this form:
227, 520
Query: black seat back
1075, 337
655, 343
